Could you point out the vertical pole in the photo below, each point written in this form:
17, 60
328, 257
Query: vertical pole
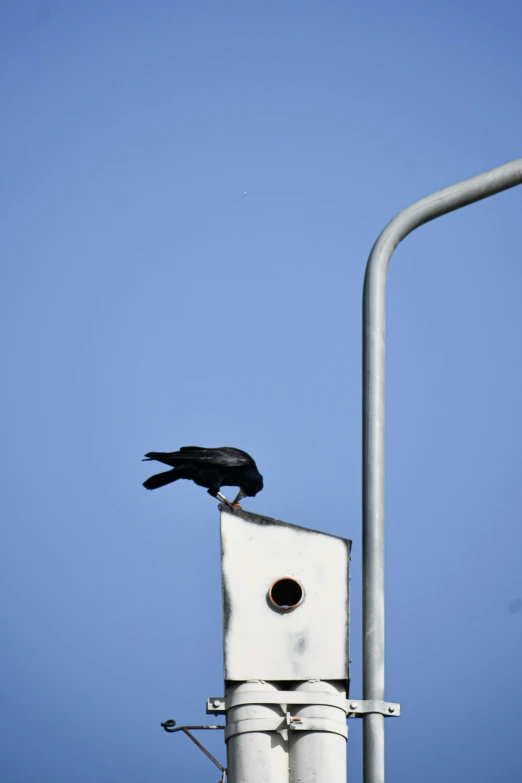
256, 756
318, 756
373, 539
374, 350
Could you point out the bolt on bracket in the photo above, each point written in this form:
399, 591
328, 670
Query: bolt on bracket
358, 708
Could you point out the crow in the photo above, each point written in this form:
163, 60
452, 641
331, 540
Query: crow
211, 468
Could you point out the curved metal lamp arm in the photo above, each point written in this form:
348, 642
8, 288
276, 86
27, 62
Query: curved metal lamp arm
374, 348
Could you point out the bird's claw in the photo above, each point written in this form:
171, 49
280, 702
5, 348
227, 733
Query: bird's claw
226, 501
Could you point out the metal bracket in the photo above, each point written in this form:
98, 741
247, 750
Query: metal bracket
317, 724
354, 708
169, 728
284, 725
358, 709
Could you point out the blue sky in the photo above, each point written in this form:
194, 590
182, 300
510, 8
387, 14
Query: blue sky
148, 304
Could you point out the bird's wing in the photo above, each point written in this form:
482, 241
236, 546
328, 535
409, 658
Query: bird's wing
224, 455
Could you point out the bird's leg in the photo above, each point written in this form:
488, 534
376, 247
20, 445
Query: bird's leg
240, 496
217, 494
223, 499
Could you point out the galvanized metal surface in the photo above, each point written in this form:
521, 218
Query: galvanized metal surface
374, 347
266, 642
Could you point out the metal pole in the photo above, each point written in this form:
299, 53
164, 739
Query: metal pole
256, 756
374, 348
318, 756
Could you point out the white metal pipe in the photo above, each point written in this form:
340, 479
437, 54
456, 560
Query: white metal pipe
318, 756
374, 349
256, 756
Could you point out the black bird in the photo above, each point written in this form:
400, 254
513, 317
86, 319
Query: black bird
211, 468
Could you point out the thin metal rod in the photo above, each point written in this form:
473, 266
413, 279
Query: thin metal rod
374, 348
200, 746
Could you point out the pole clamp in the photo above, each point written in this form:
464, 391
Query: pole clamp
359, 708
283, 725
354, 708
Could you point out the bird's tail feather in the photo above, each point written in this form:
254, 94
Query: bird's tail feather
160, 479
175, 457
156, 455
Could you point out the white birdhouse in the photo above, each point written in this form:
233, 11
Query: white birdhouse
285, 600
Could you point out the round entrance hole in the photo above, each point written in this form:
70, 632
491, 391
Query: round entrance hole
286, 593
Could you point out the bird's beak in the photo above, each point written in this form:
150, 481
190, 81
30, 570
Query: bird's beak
240, 496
